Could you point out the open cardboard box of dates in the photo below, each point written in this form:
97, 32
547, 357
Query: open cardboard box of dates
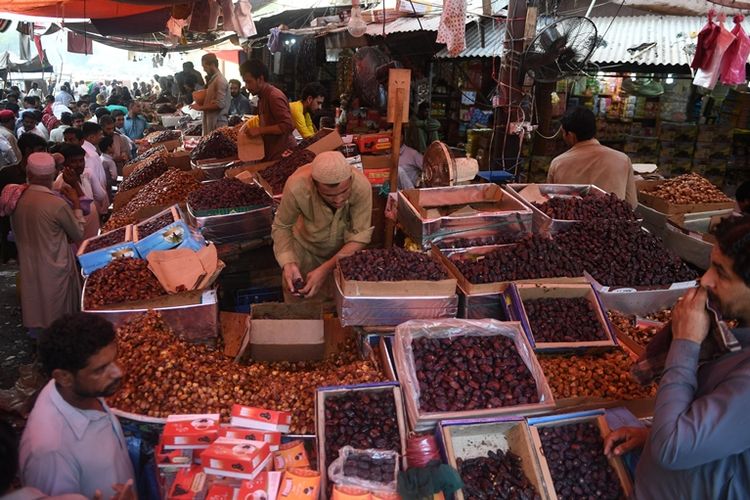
518, 293
91, 260
596, 418
406, 288
469, 288
473, 438
623, 298
325, 393
406, 365
661, 205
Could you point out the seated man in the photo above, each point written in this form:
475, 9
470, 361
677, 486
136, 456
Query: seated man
699, 444
310, 100
72, 443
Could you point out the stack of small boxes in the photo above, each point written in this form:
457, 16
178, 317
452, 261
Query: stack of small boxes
713, 151
677, 148
200, 459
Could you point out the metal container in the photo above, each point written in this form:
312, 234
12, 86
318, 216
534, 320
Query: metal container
193, 322
215, 170
481, 306
425, 217
391, 311
543, 223
231, 228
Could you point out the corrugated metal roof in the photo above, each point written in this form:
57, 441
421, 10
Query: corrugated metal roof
494, 31
405, 24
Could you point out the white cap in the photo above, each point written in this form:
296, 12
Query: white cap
330, 167
41, 164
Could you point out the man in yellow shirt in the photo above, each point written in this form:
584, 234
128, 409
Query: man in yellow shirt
324, 214
311, 100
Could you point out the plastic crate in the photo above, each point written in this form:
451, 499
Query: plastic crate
244, 298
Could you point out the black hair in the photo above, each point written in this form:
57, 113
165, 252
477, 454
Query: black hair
106, 120
76, 116
234, 80
743, 192
255, 67
132, 103
105, 143
49, 98
30, 141
75, 131
71, 151
8, 456
210, 58
66, 118
581, 121
30, 113
72, 339
312, 89
38, 115
90, 128
733, 236
116, 113
30, 99
423, 105
188, 65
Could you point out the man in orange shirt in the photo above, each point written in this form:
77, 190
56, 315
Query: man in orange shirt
588, 162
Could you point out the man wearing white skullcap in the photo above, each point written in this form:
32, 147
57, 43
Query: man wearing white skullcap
44, 225
324, 214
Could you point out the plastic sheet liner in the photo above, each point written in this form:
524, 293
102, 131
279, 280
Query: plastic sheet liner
481, 306
391, 311
452, 328
244, 226
337, 474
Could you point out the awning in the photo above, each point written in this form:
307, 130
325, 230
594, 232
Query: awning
78, 9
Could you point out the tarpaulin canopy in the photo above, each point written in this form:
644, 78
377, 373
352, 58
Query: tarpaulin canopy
80, 9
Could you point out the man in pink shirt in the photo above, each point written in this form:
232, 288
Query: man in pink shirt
588, 162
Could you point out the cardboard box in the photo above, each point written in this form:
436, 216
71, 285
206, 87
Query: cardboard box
172, 459
286, 332
291, 455
330, 142
661, 205
260, 418
170, 235
421, 420
520, 292
299, 484
373, 143
324, 393
190, 431
273, 438
473, 438
236, 458
377, 168
91, 261
189, 484
573, 418
406, 288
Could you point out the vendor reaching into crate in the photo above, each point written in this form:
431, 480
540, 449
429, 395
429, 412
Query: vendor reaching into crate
324, 214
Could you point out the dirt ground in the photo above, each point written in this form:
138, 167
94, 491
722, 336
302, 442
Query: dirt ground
15, 345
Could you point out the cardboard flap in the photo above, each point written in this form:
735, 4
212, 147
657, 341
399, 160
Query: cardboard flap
250, 148
532, 194
183, 269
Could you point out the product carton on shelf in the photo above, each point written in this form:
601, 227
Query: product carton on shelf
291, 455
421, 420
473, 438
661, 205
190, 431
172, 459
260, 418
273, 438
377, 168
236, 458
96, 259
595, 417
299, 484
324, 393
520, 292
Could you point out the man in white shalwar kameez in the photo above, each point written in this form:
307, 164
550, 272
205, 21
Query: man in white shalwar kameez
44, 226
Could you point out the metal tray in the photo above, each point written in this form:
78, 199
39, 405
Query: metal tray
231, 228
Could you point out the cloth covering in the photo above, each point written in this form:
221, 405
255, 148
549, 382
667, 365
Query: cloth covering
452, 28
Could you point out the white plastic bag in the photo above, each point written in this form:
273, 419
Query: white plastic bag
337, 471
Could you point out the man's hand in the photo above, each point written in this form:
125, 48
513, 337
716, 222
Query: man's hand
314, 281
624, 440
71, 194
122, 492
690, 320
290, 274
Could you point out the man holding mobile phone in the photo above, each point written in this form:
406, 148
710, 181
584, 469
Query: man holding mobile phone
699, 444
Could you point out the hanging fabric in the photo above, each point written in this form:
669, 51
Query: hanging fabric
735, 58
452, 28
214, 12
227, 15
199, 19
708, 76
274, 40
80, 44
244, 25
705, 46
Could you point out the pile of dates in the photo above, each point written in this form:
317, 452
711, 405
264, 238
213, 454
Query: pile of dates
106, 240
598, 375
618, 253
305, 143
277, 174
147, 170
193, 130
577, 464
533, 257
361, 419
163, 136
498, 476
393, 264
217, 144
145, 155
151, 226
689, 188
173, 186
588, 206
471, 373
166, 375
370, 468
563, 320
227, 193
122, 280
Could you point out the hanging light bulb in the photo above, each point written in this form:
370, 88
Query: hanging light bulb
356, 25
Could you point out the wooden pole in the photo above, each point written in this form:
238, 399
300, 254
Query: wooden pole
399, 83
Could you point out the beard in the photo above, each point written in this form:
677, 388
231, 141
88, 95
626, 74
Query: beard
108, 391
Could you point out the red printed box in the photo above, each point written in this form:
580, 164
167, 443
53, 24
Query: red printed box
260, 418
221, 492
273, 438
189, 484
194, 431
172, 458
265, 486
236, 458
